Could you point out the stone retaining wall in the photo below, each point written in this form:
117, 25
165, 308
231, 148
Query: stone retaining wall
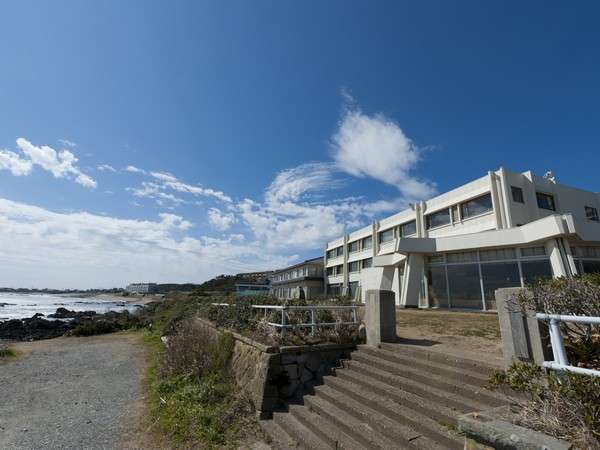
273, 376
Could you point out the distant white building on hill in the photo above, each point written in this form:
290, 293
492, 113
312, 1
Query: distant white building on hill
142, 288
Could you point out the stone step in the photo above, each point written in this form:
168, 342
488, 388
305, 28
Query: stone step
360, 431
324, 428
438, 412
395, 430
422, 353
399, 413
451, 385
448, 371
278, 437
304, 436
445, 398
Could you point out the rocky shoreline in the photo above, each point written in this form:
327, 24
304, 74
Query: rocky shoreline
62, 322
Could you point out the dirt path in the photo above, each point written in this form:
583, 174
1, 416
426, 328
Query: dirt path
72, 393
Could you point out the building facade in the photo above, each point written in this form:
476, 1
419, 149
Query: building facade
304, 280
142, 288
502, 230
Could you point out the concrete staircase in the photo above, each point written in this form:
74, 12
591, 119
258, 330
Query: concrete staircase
398, 396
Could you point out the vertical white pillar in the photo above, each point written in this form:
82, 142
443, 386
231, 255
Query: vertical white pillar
556, 260
412, 280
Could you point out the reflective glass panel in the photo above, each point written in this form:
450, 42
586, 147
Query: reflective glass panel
436, 283
534, 270
496, 276
465, 290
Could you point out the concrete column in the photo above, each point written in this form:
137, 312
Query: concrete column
524, 338
380, 317
346, 276
412, 280
556, 260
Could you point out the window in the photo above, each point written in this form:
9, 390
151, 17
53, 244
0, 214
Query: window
545, 201
352, 289
498, 254
330, 271
436, 284
386, 236
517, 194
366, 263
435, 259
339, 270
408, 228
353, 246
528, 252
496, 276
367, 242
437, 219
455, 214
590, 266
479, 205
535, 270
461, 257
340, 251
354, 266
591, 214
334, 253
465, 290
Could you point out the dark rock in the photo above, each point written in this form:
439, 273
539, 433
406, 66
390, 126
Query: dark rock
64, 313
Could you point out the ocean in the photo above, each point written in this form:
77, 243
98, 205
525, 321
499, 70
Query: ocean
20, 306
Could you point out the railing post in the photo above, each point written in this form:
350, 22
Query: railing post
312, 321
283, 321
558, 345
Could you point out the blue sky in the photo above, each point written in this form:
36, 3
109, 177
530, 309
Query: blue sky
249, 122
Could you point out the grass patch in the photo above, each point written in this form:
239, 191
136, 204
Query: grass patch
193, 400
7, 352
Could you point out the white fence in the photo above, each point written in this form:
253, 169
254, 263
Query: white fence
313, 324
561, 361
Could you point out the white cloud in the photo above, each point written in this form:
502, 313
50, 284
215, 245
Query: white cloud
42, 248
134, 169
60, 164
13, 162
106, 168
222, 221
376, 147
171, 182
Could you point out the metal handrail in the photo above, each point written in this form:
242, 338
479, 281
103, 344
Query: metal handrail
561, 361
313, 324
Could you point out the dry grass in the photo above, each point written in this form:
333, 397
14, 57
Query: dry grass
450, 323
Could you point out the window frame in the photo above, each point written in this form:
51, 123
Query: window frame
382, 232
439, 211
518, 189
464, 209
594, 216
403, 225
539, 194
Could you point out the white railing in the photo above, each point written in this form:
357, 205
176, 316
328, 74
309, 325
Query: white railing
561, 361
313, 324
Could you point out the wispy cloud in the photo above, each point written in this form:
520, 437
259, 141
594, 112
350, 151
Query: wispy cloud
11, 161
106, 168
221, 220
134, 169
68, 143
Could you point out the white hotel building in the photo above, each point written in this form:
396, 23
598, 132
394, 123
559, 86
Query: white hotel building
454, 250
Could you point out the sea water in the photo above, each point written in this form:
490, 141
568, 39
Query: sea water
20, 306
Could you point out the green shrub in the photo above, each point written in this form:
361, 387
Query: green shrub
7, 352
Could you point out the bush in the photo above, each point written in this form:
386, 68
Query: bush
7, 352
195, 399
565, 405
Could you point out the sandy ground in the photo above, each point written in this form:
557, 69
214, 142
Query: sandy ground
73, 393
466, 334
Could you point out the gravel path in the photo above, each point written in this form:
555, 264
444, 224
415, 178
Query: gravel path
72, 393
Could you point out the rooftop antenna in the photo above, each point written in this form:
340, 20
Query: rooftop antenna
550, 177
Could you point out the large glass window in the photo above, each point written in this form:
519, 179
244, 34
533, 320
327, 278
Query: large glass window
353, 247
352, 288
386, 236
461, 257
408, 228
367, 242
517, 194
528, 252
497, 254
334, 253
535, 270
436, 283
366, 263
476, 206
590, 266
496, 276
439, 218
465, 290
354, 266
330, 271
545, 201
